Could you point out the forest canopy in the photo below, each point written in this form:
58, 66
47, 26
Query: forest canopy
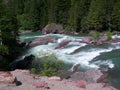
77, 15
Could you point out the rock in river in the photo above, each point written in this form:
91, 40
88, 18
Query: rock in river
42, 40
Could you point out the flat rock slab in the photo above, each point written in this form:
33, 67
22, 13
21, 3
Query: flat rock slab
29, 82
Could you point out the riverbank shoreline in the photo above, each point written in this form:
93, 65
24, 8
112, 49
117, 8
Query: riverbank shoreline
35, 82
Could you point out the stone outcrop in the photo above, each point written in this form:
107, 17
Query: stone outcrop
42, 40
90, 76
87, 40
81, 84
75, 67
53, 28
40, 85
22, 63
101, 40
55, 78
44, 83
62, 44
6, 77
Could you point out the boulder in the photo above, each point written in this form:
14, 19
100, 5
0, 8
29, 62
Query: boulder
102, 40
6, 77
21, 43
86, 40
53, 28
99, 86
62, 44
23, 63
42, 40
90, 76
55, 78
40, 84
81, 84
75, 67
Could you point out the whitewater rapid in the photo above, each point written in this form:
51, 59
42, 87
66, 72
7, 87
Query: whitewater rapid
83, 56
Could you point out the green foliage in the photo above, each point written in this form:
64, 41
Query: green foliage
8, 33
51, 66
33, 70
75, 15
95, 35
72, 21
47, 66
25, 22
63, 7
116, 15
109, 35
4, 49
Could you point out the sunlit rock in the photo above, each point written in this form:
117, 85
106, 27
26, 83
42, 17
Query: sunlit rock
6, 77
42, 40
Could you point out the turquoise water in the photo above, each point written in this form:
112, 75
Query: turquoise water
114, 73
105, 56
30, 36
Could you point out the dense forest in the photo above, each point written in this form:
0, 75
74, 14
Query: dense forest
74, 15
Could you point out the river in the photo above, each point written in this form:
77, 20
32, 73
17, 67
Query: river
105, 56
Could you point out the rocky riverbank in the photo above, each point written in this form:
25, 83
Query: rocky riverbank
23, 80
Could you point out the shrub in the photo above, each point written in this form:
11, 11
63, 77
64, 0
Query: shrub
4, 49
51, 66
109, 35
33, 70
95, 35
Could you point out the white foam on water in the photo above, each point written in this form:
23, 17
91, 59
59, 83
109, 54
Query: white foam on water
107, 63
70, 49
82, 57
116, 36
74, 43
42, 50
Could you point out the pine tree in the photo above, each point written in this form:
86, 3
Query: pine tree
52, 6
8, 32
63, 7
116, 16
95, 16
73, 16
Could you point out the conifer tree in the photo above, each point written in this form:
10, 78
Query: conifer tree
116, 16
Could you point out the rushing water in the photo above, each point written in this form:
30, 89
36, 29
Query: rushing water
105, 56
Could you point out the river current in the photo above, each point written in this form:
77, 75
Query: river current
105, 56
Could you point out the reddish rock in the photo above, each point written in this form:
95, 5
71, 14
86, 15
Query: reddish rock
62, 44
53, 28
86, 40
81, 84
40, 84
23, 71
55, 78
42, 40
99, 86
6, 77
90, 76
